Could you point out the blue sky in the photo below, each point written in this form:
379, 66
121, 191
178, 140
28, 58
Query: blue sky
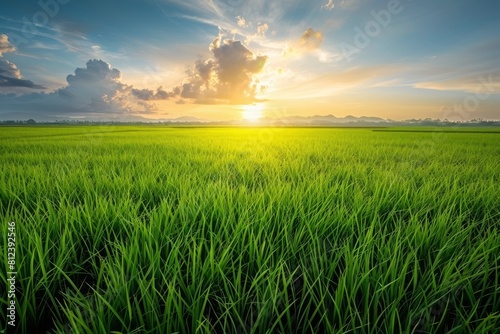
224, 59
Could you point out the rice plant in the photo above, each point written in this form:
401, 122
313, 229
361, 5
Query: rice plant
151, 229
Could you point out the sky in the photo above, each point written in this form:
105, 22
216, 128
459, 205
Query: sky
223, 60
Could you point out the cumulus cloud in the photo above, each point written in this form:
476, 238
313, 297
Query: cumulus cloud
328, 6
9, 69
95, 91
228, 77
10, 75
98, 88
95, 71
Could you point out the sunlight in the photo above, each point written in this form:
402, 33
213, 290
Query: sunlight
252, 112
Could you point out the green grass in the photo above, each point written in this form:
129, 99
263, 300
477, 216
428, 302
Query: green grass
164, 230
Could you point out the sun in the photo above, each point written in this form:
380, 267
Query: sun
252, 112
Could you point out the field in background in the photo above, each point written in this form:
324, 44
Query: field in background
151, 229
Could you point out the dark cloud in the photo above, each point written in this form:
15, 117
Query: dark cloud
149, 94
9, 69
10, 75
14, 82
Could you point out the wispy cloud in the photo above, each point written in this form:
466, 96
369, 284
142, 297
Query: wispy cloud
459, 69
341, 80
329, 5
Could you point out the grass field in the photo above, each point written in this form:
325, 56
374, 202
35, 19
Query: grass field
162, 230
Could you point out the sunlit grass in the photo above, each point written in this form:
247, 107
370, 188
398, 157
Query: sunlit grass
161, 230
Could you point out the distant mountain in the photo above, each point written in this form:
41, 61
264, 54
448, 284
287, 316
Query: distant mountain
313, 121
24, 116
318, 120
186, 119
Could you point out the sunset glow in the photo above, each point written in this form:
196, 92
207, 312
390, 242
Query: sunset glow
214, 60
252, 112
250, 166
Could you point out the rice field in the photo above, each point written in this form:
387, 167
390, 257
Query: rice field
153, 229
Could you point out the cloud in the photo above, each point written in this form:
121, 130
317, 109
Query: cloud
469, 68
5, 45
8, 82
345, 79
328, 6
98, 88
9, 69
229, 77
95, 71
149, 94
95, 91
241, 22
481, 85
262, 29
10, 75
350, 4
309, 41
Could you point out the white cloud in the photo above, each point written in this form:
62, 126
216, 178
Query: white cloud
262, 29
5, 45
328, 6
241, 22
98, 88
